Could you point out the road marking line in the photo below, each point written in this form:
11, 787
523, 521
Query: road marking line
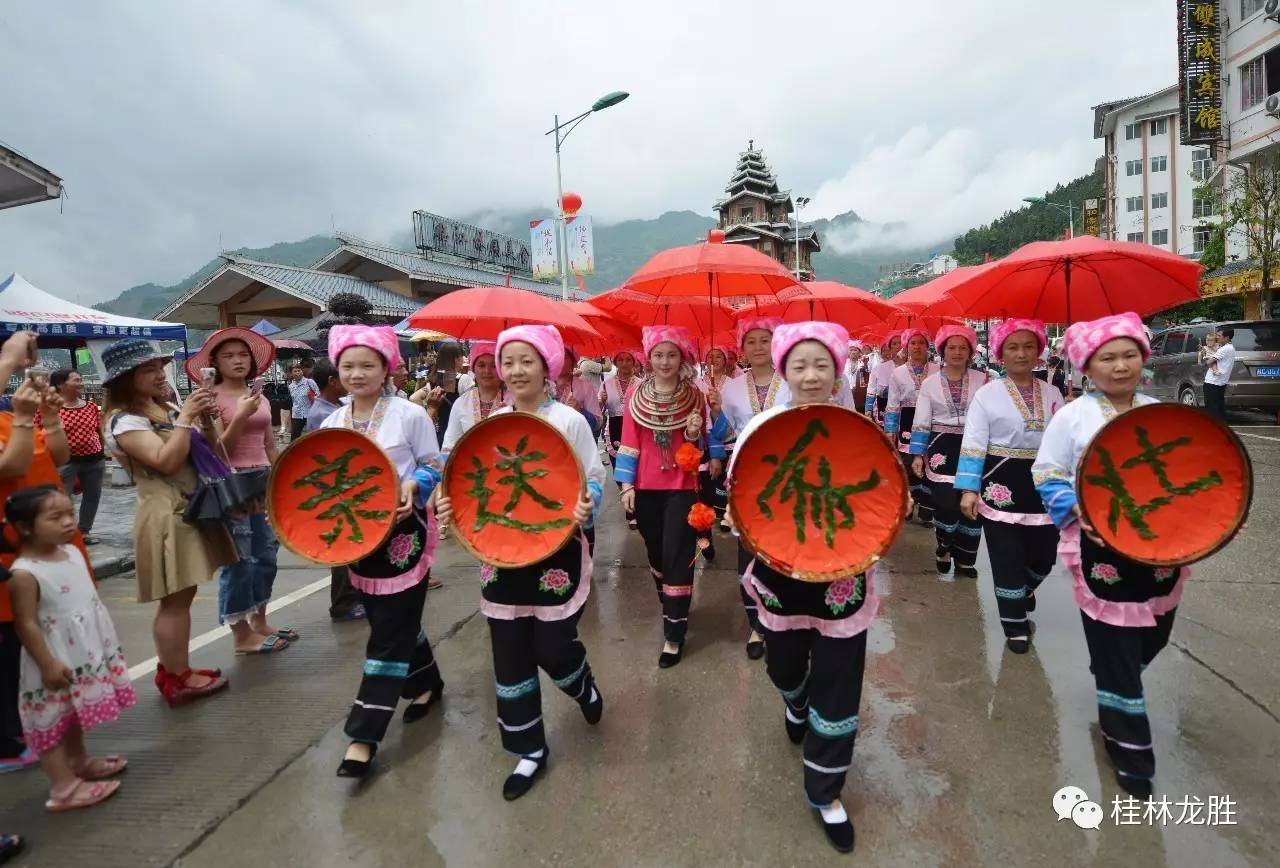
146, 667
1259, 436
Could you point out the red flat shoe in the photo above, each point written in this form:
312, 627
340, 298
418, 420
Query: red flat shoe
177, 691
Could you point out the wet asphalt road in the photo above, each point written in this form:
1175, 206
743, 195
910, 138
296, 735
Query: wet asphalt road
961, 746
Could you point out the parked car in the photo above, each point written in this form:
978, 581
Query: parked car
1178, 375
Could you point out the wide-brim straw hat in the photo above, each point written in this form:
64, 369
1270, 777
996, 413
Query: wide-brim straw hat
262, 350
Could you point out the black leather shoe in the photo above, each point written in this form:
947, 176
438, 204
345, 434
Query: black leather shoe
418, 710
795, 731
966, 572
1018, 644
1138, 787
594, 709
516, 785
666, 659
350, 768
841, 835
755, 649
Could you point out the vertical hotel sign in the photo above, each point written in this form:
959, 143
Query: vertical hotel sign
1091, 217
1200, 71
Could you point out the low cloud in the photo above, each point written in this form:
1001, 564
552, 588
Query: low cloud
925, 189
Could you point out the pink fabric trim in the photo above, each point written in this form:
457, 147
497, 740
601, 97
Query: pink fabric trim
677, 590
844, 628
937, 477
505, 612
404, 581
86, 717
1106, 611
1029, 519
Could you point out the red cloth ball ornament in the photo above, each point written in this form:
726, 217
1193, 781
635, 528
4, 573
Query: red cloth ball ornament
701, 517
688, 458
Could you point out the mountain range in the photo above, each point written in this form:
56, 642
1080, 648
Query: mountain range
620, 249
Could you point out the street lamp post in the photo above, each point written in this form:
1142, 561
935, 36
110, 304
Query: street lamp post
1068, 209
801, 201
562, 233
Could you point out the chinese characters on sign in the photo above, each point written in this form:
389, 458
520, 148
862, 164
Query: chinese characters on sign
582, 255
518, 478
433, 233
1123, 502
348, 508
814, 502
1200, 86
1091, 217
542, 240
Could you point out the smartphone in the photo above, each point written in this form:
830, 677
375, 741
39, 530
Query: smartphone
39, 377
256, 388
208, 378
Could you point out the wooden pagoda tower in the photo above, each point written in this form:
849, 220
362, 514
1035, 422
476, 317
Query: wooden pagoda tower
756, 213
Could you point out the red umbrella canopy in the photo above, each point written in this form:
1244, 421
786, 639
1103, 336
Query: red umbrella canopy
934, 297
828, 301
482, 312
708, 321
614, 333
1081, 279
713, 270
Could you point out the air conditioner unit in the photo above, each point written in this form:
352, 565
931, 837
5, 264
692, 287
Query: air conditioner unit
1273, 101
1272, 8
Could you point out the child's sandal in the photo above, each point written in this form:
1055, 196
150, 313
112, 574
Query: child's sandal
83, 794
102, 768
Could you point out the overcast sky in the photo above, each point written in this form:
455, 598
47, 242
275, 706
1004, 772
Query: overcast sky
183, 128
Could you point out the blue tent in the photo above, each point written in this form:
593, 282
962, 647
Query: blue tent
265, 327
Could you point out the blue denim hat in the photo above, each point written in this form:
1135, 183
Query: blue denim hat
123, 356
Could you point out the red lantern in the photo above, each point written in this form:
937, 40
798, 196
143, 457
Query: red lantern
715, 236
571, 203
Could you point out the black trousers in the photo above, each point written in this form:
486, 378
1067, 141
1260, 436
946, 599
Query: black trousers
521, 647
663, 517
11, 741
958, 536
295, 428
398, 661
1021, 557
342, 596
1215, 401
1118, 655
920, 491
820, 679
753, 617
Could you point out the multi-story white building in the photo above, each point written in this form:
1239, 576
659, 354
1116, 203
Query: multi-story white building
1150, 179
1250, 55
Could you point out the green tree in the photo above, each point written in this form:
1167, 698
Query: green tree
1249, 201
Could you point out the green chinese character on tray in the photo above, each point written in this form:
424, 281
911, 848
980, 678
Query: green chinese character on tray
514, 465
349, 509
822, 503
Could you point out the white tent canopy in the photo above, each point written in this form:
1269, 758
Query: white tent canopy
25, 307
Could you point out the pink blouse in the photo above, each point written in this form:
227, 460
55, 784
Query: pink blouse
250, 449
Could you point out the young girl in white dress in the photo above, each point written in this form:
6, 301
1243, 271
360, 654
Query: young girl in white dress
74, 676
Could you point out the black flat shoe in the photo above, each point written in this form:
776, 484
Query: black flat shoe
755, 649
1031, 601
350, 768
1137, 787
841, 835
516, 785
418, 710
666, 659
1018, 644
593, 709
795, 731
966, 572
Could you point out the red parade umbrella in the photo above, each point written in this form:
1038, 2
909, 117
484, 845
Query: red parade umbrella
704, 319
713, 270
829, 301
1080, 279
934, 297
482, 312
614, 333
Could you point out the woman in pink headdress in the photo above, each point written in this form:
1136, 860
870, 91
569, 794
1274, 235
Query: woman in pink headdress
1127, 608
900, 412
1005, 425
937, 428
663, 413
392, 581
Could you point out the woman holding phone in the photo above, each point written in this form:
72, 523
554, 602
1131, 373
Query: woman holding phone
229, 365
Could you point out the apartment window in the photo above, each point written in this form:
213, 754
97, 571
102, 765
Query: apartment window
1133, 131
1159, 164
1133, 167
1160, 237
1160, 127
1134, 236
1248, 7
1200, 238
1133, 203
1201, 207
1201, 164
1253, 84
1159, 200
